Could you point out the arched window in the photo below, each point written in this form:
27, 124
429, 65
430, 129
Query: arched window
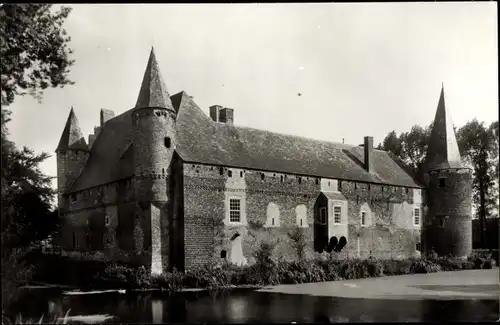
301, 216
273, 215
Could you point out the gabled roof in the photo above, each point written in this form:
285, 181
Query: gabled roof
200, 140
443, 149
72, 136
153, 92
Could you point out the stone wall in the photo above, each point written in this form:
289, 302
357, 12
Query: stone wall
448, 227
101, 219
273, 204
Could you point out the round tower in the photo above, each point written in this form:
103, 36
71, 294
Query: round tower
72, 154
154, 136
448, 223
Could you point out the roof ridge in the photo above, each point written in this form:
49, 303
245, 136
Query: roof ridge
298, 136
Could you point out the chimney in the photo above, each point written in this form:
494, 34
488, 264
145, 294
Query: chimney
368, 146
92, 138
222, 114
226, 115
106, 115
214, 112
97, 130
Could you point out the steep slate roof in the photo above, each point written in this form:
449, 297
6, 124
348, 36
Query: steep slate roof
443, 149
72, 136
200, 140
153, 92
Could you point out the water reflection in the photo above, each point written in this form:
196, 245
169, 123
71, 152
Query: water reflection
248, 306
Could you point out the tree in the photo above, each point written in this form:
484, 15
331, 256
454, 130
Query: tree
34, 50
479, 148
410, 147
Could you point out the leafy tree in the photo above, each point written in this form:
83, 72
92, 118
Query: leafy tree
479, 148
34, 49
410, 147
35, 56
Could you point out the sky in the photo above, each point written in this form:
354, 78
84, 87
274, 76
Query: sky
361, 69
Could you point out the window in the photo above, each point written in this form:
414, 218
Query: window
337, 214
416, 216
223, 254
106, 220
241, 174
167, 142
441, 222
281, 178
229, 173
363, 218
300, 180
317, 181
272, 221
322, 215
221, 170
234, 210
262, 176
442, 182
339, 186
418, 247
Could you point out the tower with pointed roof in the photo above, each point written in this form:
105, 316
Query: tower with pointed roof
154, 143
72, 154
448, 223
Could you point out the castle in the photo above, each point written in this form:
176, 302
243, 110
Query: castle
168, 186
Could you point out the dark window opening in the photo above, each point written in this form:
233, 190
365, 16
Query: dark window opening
355, 186
441, 222
332, 245
281, 178
167, 142
163, 170
357, 199
442, 182
223, 254
407, 190
221, 170
341, 244
262, 176
417, 247
339, 186
317, 181
241, 174
72, 197
272, 221
301, 222
229, 173
300, 180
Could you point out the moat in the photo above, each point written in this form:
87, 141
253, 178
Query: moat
245, 306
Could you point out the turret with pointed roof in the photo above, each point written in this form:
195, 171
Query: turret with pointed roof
448, 221
72, 154
72, 136
153, 92
443, 149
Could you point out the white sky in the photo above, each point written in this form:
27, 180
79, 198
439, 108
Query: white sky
362, 68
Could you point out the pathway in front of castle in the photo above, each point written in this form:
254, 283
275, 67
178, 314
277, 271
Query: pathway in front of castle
469, 284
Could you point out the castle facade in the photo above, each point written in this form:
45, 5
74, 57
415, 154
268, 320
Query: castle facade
168, 186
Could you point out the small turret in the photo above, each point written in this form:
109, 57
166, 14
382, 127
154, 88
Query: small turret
154, 142
448, 223
72, 154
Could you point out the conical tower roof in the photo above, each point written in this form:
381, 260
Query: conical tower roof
72, 136
153, 91
443, 152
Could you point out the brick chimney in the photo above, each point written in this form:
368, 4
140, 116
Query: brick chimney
106, 115
368, 146
222, 114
